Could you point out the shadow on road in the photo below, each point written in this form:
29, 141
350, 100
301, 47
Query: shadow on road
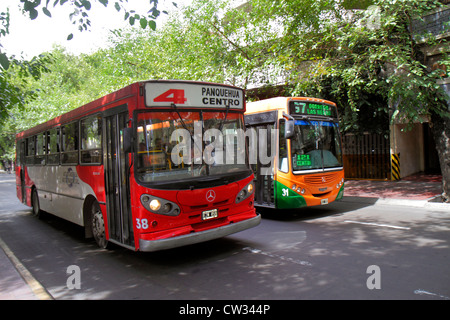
311, 213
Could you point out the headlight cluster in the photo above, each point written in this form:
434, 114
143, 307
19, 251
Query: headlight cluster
159, 205
245, 192
298, 189
340, 183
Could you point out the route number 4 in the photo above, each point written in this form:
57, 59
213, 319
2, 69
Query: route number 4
173, 95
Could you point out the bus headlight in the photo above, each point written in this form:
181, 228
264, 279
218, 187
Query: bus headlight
160, 205
155, 205
245, 192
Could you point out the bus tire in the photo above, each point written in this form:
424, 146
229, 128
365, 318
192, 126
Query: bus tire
37, 212
98, 226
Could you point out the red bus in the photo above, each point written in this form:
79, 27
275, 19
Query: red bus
144, 167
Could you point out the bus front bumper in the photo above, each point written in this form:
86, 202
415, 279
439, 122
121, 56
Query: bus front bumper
197, 237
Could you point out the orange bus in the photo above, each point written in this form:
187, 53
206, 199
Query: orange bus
135, 168
303, 144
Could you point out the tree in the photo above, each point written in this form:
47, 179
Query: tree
15, 74
367, 61
12, 95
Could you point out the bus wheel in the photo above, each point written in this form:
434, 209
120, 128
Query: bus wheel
37, 212
98, 227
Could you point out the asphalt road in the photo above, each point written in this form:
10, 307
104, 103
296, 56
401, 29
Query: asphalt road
345, 250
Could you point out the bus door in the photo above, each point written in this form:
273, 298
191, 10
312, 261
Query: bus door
263, 125
117, 184
23, 192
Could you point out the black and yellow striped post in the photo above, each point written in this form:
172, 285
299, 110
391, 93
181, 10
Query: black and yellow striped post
395, 166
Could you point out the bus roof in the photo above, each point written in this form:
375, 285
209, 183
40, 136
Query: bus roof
97, 105
116, 98
279, 103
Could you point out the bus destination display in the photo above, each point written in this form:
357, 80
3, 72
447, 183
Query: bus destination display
312, 109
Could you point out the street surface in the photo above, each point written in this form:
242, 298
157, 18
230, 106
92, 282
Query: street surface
345, 250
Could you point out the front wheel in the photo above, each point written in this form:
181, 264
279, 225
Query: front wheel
98, 226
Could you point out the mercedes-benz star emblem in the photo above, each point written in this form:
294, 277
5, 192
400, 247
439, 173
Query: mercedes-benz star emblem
210, 195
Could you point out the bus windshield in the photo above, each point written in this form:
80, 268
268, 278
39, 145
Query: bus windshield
316, 145
188, 145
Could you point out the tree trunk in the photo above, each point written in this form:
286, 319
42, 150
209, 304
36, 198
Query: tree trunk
441, 132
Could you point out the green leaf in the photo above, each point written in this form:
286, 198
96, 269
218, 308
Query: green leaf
117, 6
70, 37
152, 25
4, 61
46, 12
87, 5
104, 2
33, 13
143, 23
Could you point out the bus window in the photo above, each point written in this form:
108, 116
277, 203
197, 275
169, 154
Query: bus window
316, 145
53, 146
91, 140
31, 149
69, 153
41, 148
168, 148
282, 152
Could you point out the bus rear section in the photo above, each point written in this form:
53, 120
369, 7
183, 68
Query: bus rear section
153, 166
303, 143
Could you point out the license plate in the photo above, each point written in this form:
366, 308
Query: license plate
324, 201
209, 214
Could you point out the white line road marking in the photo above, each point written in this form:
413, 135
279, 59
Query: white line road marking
378, 225
7, 181
423, 292
301, 262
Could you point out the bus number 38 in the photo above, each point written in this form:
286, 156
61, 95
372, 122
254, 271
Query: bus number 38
141, 223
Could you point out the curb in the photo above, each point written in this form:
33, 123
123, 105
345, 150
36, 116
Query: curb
445, 207
28, 281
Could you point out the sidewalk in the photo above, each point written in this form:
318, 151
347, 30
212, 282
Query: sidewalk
16, 282
418, 190
12, 285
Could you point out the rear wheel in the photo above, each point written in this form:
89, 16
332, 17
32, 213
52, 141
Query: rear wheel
98, 226
37, 212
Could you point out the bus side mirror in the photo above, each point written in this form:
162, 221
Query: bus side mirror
127, 140
289, 129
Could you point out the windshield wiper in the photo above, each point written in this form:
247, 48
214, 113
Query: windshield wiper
192, 137
224, 119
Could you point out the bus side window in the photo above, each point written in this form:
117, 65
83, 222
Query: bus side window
53, 146
91, 140
69, 153
283, 164
31, 149
41, 139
